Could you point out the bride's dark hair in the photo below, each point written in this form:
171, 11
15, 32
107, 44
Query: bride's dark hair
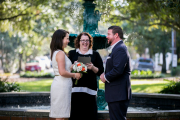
57, 40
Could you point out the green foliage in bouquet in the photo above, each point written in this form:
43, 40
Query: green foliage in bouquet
172, 88
8, 87
137, 74
36, 74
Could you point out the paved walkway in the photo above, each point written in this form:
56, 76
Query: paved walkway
16, 78
36, 79
26, 79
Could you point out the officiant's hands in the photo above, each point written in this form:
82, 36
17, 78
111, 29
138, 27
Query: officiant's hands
89, 66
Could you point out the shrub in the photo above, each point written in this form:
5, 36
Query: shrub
172, 88
36, 74
142, 72
175, 71
8, 87
137, 74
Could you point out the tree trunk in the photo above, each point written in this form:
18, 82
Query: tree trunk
1, 67
150, 54
164, 61
178, 55
2, 53
20, 60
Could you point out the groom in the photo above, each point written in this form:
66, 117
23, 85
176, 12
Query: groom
117, 75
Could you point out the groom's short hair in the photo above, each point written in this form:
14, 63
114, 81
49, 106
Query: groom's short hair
117, 29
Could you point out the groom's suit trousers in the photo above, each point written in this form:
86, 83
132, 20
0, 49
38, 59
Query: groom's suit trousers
118, 110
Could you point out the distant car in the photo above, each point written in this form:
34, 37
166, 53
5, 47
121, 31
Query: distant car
44, 62
144, 64
32, 65
132, 64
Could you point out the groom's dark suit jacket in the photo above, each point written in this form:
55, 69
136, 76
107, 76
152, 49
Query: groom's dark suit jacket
118, 72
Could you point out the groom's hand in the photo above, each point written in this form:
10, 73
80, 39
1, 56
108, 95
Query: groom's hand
102, 78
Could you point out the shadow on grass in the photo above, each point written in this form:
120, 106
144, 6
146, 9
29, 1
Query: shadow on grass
144, 88
148, 88
45, 85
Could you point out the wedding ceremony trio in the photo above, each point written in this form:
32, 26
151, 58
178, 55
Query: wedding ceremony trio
72, 101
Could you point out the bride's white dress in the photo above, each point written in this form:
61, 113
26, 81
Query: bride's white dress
61, 87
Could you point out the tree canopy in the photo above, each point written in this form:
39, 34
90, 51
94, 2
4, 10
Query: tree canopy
150, 13
33, 22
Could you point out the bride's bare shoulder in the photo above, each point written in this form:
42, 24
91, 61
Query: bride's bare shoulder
60, 55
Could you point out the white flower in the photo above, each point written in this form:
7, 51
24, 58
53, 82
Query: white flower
85, 68
83, 65
74, 68
79, 68
109, 51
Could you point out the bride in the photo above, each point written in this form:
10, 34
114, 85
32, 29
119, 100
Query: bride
61, 87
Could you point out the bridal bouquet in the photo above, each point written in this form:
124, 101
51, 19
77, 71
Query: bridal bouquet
79, 68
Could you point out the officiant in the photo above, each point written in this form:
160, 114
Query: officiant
83, 100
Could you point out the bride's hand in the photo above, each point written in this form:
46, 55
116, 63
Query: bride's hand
77, 76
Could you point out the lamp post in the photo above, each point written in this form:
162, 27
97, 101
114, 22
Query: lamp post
174, 56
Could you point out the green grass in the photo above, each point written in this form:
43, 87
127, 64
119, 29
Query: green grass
138, 86
148, 86
36, 86
144, 86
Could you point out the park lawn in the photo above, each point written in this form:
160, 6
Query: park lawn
138, 86
36, 86
144, 86
148, 86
